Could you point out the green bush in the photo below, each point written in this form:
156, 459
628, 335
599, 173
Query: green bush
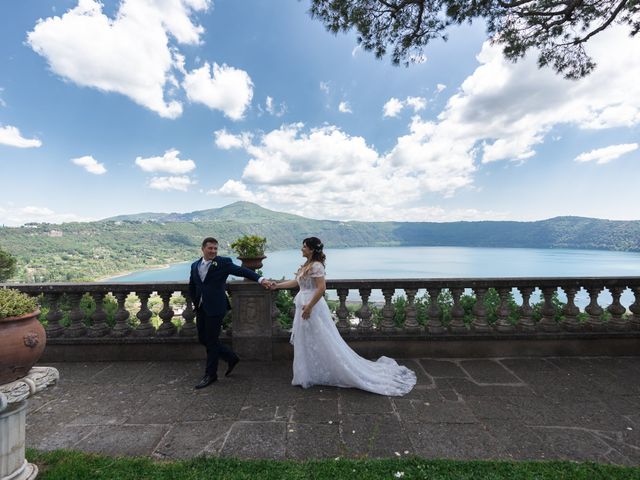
14, 303
249, 246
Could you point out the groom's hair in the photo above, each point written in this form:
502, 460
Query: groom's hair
209, 240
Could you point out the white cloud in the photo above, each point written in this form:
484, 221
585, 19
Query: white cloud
12, 137
227, 141
392, 108
607, 154
220, 88
440, 87
275, 110
16, 216
326, 173
169, 163
181, 183
324, 86
90, 164
130, 54
2, 102
417, 103
344, 107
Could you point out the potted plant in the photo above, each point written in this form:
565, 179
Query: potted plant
250, 250
22, 336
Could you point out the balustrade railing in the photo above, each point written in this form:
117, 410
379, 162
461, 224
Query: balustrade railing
428, 307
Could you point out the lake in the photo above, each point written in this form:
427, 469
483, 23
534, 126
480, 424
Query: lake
437, 262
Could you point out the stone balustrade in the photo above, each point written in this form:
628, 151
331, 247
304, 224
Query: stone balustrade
452, 317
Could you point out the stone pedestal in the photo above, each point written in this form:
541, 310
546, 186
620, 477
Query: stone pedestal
13, 412
251, 321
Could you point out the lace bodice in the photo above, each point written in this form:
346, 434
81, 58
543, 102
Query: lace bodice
307, 281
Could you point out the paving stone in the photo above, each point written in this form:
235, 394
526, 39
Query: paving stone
442, 368
125, 373
466, 388
186, 440
316, 410
572, 444
211, 407
168, 373
438, 411
307, 440
357, 401
251, 412
78, 372
454, 441
161, 408
256, 440
488, 371
485, 407
375, 436
129, 440
46, 437
518, 441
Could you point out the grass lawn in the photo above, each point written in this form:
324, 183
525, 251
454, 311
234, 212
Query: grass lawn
68, 465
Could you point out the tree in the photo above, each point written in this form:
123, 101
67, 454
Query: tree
7, 265
559, 29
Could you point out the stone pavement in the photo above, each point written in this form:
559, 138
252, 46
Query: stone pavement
502, 408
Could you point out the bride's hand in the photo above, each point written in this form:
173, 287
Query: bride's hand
306, 312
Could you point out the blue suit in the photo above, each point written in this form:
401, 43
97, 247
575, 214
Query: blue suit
211, 303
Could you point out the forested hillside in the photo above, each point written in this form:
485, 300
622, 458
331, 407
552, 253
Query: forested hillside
88, 251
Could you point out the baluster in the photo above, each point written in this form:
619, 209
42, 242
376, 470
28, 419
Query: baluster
526, 323
594, 322
388, 324
122, 327
99, 328
166, 328
480, 323
364, 313
434, 324
411, 322
635, 309
76, 315
343, 311
54, 329
189, 327
503, 324
144, 329
548, 321
616, 310
457, 312
571, 311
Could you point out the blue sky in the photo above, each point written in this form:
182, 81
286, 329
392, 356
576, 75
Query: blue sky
180, 105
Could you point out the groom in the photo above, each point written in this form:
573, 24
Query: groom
207, 289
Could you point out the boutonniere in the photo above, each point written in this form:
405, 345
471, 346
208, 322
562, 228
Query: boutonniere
214, 264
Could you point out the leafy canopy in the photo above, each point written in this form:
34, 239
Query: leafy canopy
7, 265
557, 28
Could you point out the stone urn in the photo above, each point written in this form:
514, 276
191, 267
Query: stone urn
22, 341
252, 263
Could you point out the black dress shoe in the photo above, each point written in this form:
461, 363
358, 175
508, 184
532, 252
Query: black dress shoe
232, 365
206, 381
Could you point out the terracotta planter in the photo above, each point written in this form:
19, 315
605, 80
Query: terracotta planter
252, 263
22, 341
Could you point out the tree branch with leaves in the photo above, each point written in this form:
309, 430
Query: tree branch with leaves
557, 29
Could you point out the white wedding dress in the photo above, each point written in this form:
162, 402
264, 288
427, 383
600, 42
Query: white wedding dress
322, 357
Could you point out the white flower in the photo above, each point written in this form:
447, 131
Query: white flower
398, 474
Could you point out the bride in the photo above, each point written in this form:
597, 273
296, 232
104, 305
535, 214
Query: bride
320, 355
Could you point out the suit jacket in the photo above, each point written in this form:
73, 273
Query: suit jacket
212, 289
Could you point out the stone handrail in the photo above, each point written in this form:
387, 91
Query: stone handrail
254, 315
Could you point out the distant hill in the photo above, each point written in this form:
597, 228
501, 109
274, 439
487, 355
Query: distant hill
91, 250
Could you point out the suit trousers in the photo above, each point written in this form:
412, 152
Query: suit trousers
209, 335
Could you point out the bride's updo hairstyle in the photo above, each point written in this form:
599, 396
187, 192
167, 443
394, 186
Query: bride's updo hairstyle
315, 244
